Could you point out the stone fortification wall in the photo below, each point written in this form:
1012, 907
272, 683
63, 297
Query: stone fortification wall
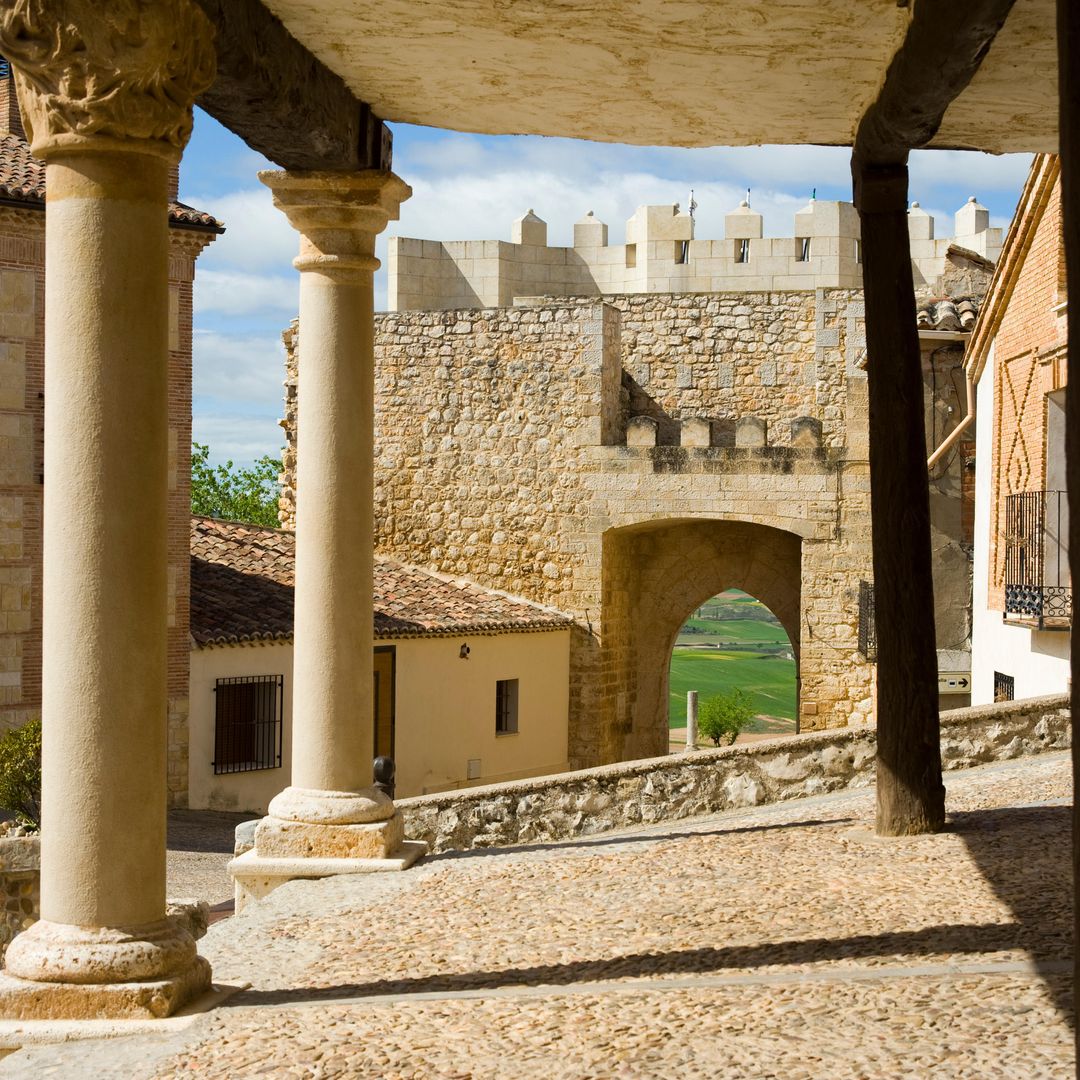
662, 255
689, 785
624, 461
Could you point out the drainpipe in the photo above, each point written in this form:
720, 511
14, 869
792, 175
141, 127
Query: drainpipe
954, 436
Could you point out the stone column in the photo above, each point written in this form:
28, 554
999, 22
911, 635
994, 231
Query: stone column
332, 811
691, 719
106, 94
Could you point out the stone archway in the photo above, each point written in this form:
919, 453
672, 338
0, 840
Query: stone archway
655, 574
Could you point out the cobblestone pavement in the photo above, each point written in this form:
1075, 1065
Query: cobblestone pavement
785, 941
200, 846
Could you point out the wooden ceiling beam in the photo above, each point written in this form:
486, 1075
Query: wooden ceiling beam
282, 101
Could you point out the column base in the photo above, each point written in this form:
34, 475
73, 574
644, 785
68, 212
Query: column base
256, 875
152, 999
278, 839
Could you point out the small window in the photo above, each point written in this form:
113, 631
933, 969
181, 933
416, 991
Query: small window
631, 256
858, 251
247, 723
1004, 687
682, 252
742, 251
506, 707
802, 248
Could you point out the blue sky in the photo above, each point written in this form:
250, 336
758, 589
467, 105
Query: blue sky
471, 187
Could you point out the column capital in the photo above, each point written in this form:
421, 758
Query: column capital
121, 75
337, 214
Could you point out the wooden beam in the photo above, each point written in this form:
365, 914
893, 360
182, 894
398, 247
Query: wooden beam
942, 51
284, 102
1068, 40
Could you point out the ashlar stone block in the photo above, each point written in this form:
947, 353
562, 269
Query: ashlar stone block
641, 431
751, 431
696, 432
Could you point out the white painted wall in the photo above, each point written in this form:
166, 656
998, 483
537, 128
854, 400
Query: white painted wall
1037, 660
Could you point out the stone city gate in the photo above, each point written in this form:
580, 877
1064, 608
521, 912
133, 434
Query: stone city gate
656, 574
593, 454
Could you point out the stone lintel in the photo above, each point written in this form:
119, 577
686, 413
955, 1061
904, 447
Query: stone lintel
256, 876
154, 999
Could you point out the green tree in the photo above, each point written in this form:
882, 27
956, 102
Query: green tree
235, 494
723, 716
20, 773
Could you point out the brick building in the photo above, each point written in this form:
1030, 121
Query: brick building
1023, 590
22, 417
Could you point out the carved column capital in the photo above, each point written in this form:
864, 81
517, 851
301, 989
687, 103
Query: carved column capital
88, 72
337, 214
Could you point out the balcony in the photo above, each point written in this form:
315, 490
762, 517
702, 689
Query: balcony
1038, 588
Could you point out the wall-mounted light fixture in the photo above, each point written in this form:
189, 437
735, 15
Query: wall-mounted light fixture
464, 652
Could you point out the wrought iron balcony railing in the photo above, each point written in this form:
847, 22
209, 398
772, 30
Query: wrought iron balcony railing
1038, 588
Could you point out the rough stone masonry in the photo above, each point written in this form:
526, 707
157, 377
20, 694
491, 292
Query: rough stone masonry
626, 459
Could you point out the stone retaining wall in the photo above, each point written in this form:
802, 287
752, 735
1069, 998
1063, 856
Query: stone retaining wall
688, 785
20, 892
20, 886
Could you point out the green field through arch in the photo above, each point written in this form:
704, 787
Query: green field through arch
734, 641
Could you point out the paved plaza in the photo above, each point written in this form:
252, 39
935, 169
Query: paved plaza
784, 942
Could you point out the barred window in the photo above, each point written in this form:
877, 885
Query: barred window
247, 729
1004, 687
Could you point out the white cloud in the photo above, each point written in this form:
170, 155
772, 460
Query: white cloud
238, 368
257, 236
235, 292
236, 437
982, 174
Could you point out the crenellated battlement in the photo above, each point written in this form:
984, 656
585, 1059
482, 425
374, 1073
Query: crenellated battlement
663, 255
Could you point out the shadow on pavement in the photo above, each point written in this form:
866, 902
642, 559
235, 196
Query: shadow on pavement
1023, 852
931, 942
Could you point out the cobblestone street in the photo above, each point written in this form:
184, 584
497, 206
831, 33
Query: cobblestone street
785, 941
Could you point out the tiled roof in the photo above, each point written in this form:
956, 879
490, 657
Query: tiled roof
22, 179
242, 590
946, 314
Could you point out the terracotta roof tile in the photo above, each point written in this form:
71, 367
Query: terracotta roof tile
22, 179
946, 314
242, 590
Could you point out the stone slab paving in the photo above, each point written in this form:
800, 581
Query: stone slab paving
785, 941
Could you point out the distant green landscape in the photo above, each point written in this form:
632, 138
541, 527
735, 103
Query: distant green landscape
765, 674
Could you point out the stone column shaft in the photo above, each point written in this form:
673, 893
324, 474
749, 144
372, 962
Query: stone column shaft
104, 617
106, 94
332, 809
333, 725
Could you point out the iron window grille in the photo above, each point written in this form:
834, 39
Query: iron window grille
506, 706
1004, 687
1038, 588
248, 723
867, 627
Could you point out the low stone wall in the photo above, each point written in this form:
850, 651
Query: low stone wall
707, 781
20, 886
20, 891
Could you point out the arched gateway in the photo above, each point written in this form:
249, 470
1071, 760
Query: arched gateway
655, 574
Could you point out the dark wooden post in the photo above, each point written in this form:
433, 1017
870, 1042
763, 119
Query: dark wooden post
944, 46
910, 795
1068, 37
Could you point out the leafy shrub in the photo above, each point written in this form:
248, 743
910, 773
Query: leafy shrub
20, 773
723, 716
